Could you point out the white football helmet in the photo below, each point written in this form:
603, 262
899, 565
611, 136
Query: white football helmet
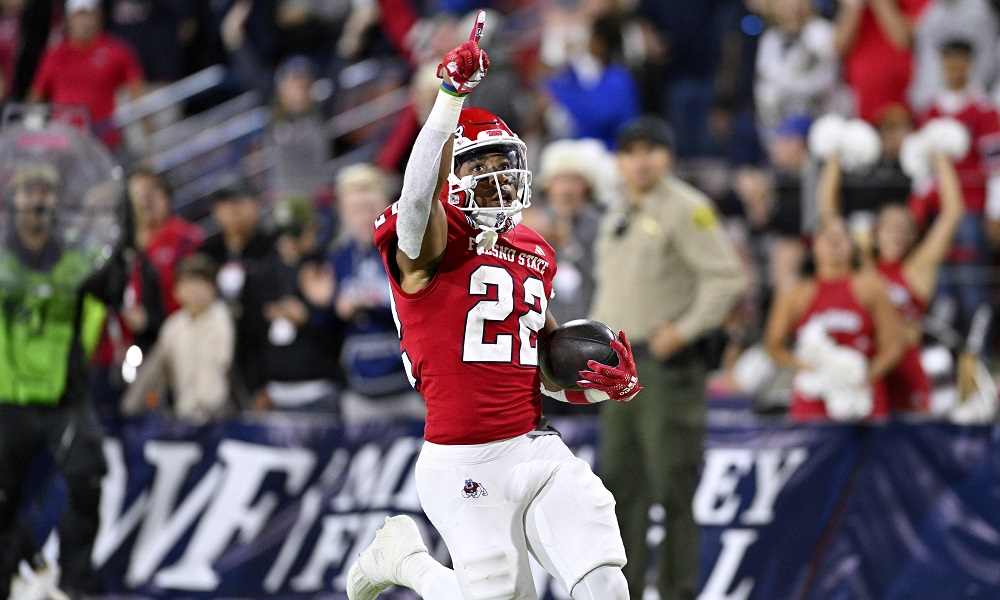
480, 133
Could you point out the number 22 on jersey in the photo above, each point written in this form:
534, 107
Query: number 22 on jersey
530, 307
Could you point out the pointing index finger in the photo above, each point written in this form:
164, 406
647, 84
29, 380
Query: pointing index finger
477, 28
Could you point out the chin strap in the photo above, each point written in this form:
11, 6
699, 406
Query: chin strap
487, 238
492, 223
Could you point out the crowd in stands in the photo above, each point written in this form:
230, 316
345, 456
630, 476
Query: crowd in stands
272, 296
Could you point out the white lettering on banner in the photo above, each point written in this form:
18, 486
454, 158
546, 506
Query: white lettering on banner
371, 479
309, 511
332, 548
116, 524
166, 522
202, 512
774, 468
233, 510
716, 502
226, 503
734, 546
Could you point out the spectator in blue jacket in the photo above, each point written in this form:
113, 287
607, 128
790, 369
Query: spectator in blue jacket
595, 91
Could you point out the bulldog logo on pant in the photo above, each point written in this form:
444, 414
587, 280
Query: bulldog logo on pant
473, 489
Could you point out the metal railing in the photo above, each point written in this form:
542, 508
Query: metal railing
185, 129
231, 130
363, 115
190, 151
170, 95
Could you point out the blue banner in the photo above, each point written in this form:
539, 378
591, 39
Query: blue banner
278, 507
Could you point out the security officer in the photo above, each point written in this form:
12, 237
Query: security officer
665, 271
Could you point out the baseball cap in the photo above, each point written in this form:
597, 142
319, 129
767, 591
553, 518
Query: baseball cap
292, 214
957, 44
73, 6
794, 125
646, 128
235, 189
297, 64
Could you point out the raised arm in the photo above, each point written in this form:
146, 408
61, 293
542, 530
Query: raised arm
921, 267
846, 27
421, 225
893, 22
828, 189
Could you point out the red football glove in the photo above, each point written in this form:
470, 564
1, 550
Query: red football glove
620, 383
467, 64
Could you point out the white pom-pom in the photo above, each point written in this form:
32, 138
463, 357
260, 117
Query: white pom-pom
753, 369
914, 157
849, 404
845, 366
809, 383
812, 343
825, 135
947, 136
860, 145
980, 406
848, 397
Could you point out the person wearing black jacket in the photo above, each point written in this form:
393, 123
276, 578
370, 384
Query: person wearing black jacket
290, 353
240, 248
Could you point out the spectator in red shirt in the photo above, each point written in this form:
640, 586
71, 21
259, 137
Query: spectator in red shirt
164, 239
87, 69
10, 26
978, 172
875, 39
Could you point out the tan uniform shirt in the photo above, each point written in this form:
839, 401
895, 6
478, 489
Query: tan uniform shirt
666, 260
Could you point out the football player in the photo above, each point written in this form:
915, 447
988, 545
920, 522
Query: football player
470, 287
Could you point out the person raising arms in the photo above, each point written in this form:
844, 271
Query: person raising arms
909, 265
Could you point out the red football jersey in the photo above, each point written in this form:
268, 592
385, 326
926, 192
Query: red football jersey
469, 339
171, 244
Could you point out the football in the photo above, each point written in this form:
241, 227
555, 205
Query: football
565, 351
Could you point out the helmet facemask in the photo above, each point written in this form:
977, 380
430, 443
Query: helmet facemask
496, 186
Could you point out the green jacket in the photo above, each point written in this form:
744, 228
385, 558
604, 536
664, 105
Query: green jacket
41, 314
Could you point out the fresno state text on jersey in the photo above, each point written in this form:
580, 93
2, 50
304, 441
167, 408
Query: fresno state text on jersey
469, 339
